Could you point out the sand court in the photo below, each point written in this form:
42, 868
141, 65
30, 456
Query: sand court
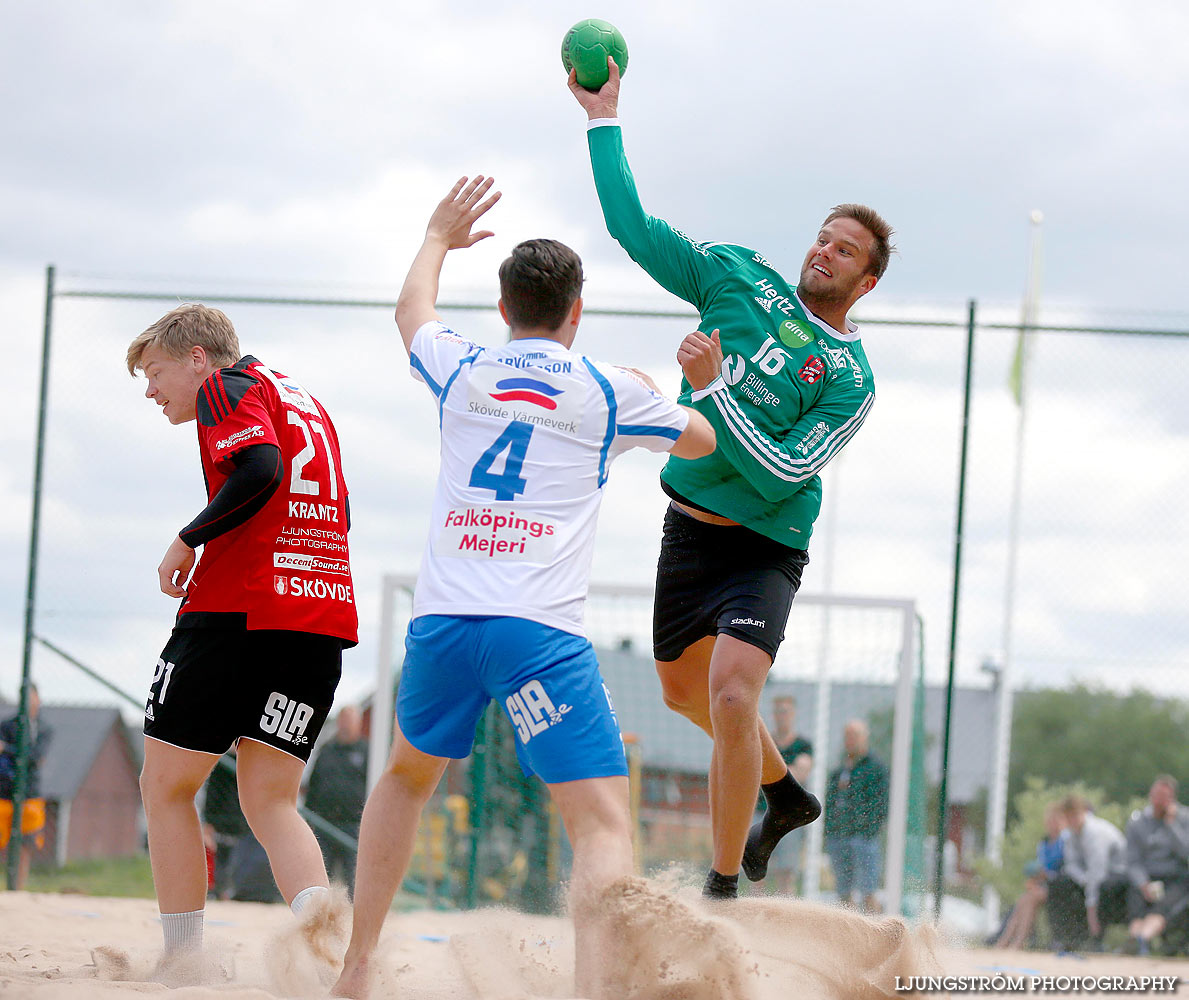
671, 947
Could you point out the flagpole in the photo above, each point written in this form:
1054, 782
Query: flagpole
997, 810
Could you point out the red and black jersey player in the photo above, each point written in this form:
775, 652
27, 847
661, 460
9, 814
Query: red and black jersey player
256, 651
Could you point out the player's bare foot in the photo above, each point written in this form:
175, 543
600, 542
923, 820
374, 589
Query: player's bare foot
355, 981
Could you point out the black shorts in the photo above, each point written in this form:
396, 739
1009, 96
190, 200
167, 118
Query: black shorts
212, 686
721, 579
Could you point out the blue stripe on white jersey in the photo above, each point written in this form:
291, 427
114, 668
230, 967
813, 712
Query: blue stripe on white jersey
529, 432
470, 359
609, 393
429, 381
642, 430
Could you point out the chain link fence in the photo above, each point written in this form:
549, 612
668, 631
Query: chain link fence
1099, 546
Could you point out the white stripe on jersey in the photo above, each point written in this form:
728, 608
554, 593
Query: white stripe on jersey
775, 459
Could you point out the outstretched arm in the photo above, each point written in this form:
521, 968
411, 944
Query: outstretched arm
686, 268
449, 229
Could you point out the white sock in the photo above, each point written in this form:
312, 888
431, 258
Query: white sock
183, 931
303, 898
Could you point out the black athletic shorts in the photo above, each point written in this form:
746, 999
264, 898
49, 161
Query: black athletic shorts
212, 686
721, 579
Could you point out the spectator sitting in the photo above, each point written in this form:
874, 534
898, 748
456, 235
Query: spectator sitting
1157, 863
1050, 857
1091, 891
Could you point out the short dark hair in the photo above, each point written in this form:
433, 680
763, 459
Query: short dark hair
882, 247
539, 284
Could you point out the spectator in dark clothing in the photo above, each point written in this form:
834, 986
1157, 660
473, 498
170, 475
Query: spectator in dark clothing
223, 824
1157, 864
856, 810
1091, 891
37, 739
251, 875
337, 790
785, 863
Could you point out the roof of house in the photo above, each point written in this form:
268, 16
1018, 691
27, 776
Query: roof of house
669, 741
79, 731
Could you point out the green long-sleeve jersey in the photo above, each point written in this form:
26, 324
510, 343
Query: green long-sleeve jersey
793, 389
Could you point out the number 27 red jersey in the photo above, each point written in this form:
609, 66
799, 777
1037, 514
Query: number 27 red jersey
287, 566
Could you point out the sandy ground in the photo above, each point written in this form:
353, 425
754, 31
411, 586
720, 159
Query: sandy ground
671, 948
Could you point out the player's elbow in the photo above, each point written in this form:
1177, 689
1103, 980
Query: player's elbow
697, 440
406, 318
413, 311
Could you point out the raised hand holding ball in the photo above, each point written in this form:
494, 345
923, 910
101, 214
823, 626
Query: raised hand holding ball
585, 49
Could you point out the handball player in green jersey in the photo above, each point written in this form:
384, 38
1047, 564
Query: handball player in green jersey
781, 374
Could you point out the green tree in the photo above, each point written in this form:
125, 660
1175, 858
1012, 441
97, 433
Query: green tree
1114, 743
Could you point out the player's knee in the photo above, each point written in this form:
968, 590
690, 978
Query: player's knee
732, 705
412, 778
685, 702
677, 701
159, 786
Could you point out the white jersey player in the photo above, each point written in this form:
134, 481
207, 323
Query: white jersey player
529, 430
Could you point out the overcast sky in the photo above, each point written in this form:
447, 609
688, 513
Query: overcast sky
298, 148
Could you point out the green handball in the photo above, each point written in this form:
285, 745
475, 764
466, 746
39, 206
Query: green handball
586, 47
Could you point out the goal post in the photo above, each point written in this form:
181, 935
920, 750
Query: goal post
843, 657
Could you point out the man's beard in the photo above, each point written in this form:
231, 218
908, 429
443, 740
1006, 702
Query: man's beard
833, 292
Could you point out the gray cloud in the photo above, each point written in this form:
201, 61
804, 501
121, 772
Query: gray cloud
250, 149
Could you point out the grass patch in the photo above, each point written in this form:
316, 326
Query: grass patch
98, 877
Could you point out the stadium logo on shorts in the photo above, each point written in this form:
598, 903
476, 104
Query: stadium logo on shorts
280, 584
758, 623
286, 718
532, 711
526, 390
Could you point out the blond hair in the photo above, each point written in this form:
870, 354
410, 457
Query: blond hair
882, 248
189, 325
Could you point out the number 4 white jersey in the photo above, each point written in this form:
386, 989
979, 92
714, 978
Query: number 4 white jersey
529, 431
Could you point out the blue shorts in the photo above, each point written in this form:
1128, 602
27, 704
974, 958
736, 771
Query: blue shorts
546, 680
855, 861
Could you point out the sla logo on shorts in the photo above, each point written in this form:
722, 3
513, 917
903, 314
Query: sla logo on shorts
286, 718
280, 585
531, 711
